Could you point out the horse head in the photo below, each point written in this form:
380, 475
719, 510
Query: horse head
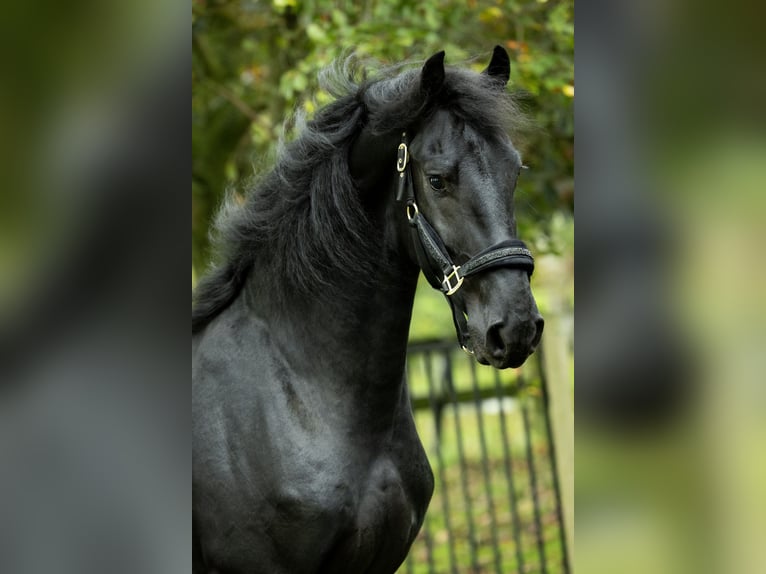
458, 181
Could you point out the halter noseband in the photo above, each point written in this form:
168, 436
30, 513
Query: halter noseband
434, 260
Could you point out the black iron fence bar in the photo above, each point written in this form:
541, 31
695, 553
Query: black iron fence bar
485, 471
429, 546
508, 466
427, 525
409, 560
554, 465
473, 546
440, 400
437, 412
439, 345
533, 486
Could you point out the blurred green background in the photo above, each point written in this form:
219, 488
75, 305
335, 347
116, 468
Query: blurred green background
256, 61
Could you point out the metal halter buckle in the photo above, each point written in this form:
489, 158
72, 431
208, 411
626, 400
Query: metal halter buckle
449, 287
402, 157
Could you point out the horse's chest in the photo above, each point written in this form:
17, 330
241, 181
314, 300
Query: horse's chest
341, 516
377, 519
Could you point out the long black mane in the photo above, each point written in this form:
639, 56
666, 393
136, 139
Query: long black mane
304, 223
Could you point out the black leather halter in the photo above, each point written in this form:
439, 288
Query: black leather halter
438, 267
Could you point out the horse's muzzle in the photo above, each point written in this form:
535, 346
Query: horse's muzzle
508, 343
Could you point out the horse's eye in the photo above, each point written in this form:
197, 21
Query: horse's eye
436, 183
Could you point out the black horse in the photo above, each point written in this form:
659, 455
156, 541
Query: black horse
305, 454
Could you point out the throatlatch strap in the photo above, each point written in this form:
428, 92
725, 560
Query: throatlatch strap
432, 254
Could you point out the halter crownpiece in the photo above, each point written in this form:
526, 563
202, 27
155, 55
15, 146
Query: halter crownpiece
433, 257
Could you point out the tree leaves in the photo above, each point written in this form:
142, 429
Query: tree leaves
256, 61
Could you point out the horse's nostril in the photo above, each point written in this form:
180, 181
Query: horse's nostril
495, 340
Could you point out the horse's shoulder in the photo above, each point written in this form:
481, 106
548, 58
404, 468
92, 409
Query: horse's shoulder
232, 333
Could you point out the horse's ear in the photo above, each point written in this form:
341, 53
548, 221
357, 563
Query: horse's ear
499, 66
432, 75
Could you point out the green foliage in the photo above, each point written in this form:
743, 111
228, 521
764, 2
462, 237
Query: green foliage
255, 61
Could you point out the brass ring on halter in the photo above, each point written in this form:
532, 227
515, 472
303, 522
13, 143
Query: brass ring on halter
412, 211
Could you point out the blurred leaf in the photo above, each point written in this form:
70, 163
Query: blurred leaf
316, 33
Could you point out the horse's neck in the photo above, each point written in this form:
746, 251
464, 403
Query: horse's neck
356, 338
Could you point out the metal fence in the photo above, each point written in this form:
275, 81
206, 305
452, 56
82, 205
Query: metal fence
496, 505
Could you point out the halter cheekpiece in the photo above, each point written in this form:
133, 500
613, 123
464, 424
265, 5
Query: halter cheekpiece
439, 269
